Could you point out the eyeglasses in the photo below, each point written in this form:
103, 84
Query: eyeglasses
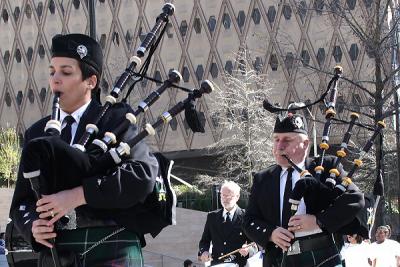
228, 196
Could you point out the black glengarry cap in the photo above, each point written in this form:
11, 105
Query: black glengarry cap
291, 123
80, 47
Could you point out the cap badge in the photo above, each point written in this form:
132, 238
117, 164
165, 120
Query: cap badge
298, 122
82, 51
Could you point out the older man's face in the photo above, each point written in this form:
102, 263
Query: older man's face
228, 198
293, 145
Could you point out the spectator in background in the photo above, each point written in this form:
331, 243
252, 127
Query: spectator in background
188, 263
384, 252
356, 252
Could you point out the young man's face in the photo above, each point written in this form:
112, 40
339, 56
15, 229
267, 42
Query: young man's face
293, 145
65, 77
228, 198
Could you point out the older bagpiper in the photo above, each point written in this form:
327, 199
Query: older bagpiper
268, 221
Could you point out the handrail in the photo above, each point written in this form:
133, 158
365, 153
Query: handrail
185, 183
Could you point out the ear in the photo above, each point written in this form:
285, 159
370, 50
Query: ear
306, 143
92, 81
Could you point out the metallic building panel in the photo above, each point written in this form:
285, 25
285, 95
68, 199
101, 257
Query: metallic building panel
202, 41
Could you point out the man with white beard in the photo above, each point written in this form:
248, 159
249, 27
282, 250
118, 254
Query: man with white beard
223, 230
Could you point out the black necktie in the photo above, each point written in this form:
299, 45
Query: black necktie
227, 228
66, 133
228, 218
286, 196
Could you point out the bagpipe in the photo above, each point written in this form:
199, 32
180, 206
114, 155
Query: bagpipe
326, 186
309, 184
334, 185
52, 165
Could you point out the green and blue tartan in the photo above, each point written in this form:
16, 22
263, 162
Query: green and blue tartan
122, 249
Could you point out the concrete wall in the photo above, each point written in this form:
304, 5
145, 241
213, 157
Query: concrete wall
5, 202
177, 242
3, 261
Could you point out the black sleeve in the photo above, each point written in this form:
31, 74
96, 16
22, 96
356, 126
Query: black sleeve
254, 225
344, 209
248, 239
205, 241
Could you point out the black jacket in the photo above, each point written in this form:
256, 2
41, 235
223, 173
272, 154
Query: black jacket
263, 211
106, 195
224, 240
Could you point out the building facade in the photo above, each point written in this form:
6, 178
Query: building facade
283, 37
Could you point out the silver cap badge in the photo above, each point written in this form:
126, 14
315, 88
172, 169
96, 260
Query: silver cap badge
82, 51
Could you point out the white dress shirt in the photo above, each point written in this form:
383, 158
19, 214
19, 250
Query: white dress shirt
77, 114
231, 213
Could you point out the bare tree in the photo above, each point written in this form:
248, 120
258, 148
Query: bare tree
245, 144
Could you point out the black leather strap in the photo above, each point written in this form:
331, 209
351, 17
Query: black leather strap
315, 243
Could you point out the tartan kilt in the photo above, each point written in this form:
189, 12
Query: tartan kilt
122, 249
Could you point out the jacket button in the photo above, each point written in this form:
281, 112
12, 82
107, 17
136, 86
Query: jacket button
225, 243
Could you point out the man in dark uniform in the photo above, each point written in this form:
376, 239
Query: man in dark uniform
267, 216
101, 205
223, 230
